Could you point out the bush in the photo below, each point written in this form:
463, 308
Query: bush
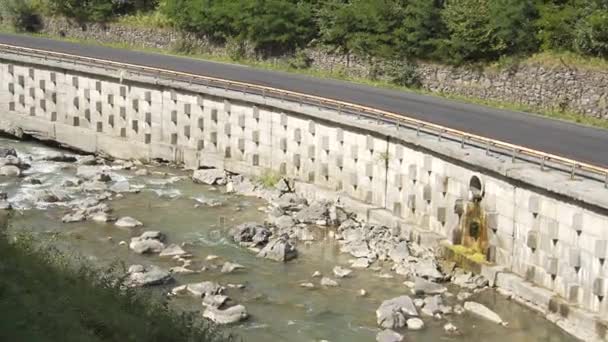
300, 60
186, 46
403, 73
44, 296
23, 15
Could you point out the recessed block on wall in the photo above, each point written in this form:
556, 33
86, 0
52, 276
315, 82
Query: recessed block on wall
340, 135
188, 109
297, 135
311, 152
413, 172
148, 97
296, 161
284, 120
311, 127
369, 170
427, 193
369, 143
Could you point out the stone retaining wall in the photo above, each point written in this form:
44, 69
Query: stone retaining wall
558, 88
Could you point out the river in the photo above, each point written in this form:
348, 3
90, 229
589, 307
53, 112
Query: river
280, 309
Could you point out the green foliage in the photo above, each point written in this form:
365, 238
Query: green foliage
269, 178
403, 73
421, 30
592, 34
83, 10
46, 296
300, 60
23, 15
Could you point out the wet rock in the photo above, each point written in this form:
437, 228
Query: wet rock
181, 270
307, 285
450, 328
88, 172
283, 186
10, 171
422, 286
211, 257
404, 269
337, 214
432, 305
362, 293
358, 249
341, 272
50, 196
414, 324
230, 267
388, 335
427, 268
251, 234
141, 276
209, 176
483, 311
360, 263
101, 217
75, 216
280, 249
127, 222
204, 289
463, 295
233, 314
33, 181
120, 186
317, 211
399, 253
172, 250
392, 313
142, 172
87, 160
458, 309
60, 158
215, 301
316, 274
7, 151
148, 242
283, 222
325, 281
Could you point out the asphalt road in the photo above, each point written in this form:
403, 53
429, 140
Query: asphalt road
573, 141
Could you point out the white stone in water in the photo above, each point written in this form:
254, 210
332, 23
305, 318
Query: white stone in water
463, 295
128, 222
172, 250
414, 324
230, 267
450, 328
385, 276
360, 263
307, 285
483, 311
419, 302
341, 272
316, 274
142, 172
388, 335
362, 293
181, 270
325, 281
211, 257
179, 290
122, 243
231, 315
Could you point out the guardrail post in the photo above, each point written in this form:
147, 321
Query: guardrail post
418, 130
606, 181
339, 108
513, 155
573, 171
542, 163
398, 124
462, 142
439, 136
487, 148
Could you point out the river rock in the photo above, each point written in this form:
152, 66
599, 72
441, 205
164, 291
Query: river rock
172, 250
483, 311
87, 160
215, 301
10, 171
229, 267
204, 289
341, 272
360, 263
140, 276
432, 305
283, 222
142, 172
399, 253
325, 281
307, 285
358, 249
181, 270
209, 176
280, 249
427, 268
148, 242
75, 216
120, 186
422, 286
414, 323
49, 196
463, 295
450, 328
233, 314
317, 211
127, 222
60, 158
392, 313
7, 151
389, 335
251, 234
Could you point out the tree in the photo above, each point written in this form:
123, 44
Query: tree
421, 30
83, 10
513, 22
23, 15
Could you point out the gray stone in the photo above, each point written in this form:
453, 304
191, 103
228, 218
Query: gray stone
388, 335
148, 242
7, 151
215, 301
399, 253
121, 186
209, 176
392, 313
60, 158
230, 267
87, 160
251, 234
317, 211
432, 305
358, 249
231, 315
141, 276
427, 268
75, 216
10, 171
172, 250
284, 222
128, 222
204, 289
450, 328
360, 263
341, 272
414, 323
279, 249
325, 281
422, 286
482, 311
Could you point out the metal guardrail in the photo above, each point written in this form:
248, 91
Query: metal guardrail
544, 160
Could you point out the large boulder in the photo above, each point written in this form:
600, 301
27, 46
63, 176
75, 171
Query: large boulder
251, 234
427, 268
231, 315
393, 313
127, 222
209, 176
141, 276
280, 249
148, 242
204, 289
400, 252
483, 311
49, 196
423, 286
317, 211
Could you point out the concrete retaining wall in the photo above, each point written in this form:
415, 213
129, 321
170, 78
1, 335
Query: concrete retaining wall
543, 227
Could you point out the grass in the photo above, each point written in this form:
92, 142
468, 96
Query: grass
284, 66
269, 178
45, 296
468, 253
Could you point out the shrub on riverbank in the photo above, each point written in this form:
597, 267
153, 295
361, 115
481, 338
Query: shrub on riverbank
46, 297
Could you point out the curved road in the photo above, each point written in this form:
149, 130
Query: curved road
573, 141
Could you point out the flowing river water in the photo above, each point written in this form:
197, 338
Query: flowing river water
280, 310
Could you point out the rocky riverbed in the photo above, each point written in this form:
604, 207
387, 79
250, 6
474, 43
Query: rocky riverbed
265, 262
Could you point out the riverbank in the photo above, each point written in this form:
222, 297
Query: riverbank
342, 279
46, 297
